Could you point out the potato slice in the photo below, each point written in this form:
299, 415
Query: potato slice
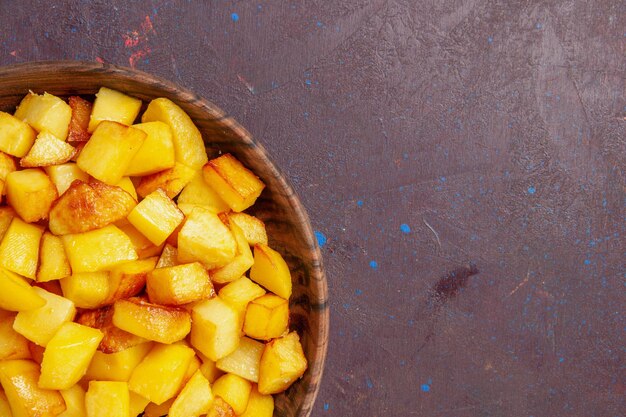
117, 366
252, 227
74, 398
68, 355
89, 206
64, 175
158, 410
214, 249
189, 147
195, 398
114, 340
19, 249
114, 106
266, 317
244, 361
128, 279
12, 344
242, 261
233, 182
45, 112
160, 375
79, 123
98, 250
7, 165
156, 153
215, 328
16, 137
40, 324
19, 379
220, 408
46, 151
16, 294
177, 285
53, 263
172, 180
151, 321
87, 289
259, 405
234, 390
107, 155
282, 363
200, 193
127, 185
271, 271
107, 399
209, 369
31, 193
156, 216
240, 292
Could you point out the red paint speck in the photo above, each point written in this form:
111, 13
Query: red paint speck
131, 39
138, 55
100, 60
146, 26
13, 53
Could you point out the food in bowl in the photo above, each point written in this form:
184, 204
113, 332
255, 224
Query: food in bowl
123, 259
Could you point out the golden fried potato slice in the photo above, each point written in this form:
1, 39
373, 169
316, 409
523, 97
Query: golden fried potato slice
89, 206
79, 123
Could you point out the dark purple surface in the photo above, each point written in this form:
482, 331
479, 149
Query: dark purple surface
463, 164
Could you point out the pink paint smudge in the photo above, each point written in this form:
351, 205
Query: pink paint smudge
137, 41
100, 60
13, 53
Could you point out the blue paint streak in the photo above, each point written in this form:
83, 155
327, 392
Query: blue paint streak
235, 17
321, 239
404, 228
532, 190
326, 406
373, 264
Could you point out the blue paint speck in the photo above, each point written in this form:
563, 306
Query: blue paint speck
321, 238
538, 26
358, 291
442, 179
373, 264
425, 387
561, 360
490, 40
359, 203
74, 29
369, 383
307, 82
326, 406
587, 262
404, 228
319, 24
532, 190
235, 17
346, 306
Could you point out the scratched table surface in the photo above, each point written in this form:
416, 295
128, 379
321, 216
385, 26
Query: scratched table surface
462, 162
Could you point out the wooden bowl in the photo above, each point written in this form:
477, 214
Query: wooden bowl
286, 220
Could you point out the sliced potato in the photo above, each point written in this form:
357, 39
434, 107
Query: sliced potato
252, 227
113, 106
89, 206
16, 137
115, 339
271, 271
7, 165
31, 193
64, 175
45, 112
46, 151
19, 249
156, 153
172, 180
282, 363
79, 123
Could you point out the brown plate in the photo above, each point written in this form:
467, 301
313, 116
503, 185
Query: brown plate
287, 223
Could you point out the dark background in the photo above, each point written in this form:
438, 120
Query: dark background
463, 164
